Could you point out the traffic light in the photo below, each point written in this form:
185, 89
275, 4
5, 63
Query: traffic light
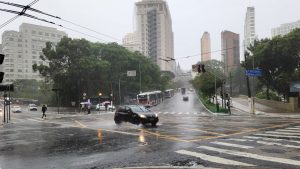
1, 73
201, 68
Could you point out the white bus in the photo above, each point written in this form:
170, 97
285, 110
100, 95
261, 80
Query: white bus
149, 99
169, 93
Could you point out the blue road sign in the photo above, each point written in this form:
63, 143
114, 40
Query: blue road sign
254, 72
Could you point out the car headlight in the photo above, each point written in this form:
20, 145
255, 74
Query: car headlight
142, 116
156, 115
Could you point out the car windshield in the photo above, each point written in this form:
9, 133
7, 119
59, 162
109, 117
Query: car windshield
139, 109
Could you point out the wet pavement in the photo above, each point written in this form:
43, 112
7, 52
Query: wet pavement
187, 135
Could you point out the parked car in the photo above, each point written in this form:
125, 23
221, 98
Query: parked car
16, 109
185, 98
101, 107
32, 107
135, 114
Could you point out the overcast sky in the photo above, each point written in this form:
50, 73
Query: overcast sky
190, 19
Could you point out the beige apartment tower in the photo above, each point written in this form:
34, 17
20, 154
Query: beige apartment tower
205, 47
154, 32
230, 51
23, 48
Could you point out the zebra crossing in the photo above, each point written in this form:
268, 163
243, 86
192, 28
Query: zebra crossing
248, 151
184, 113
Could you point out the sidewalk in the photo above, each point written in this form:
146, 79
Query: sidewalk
241, 103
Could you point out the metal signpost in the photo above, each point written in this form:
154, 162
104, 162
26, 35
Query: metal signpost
253, 73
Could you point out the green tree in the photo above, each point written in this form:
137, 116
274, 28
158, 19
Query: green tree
77, 66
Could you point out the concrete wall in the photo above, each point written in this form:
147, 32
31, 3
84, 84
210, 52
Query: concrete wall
291, 106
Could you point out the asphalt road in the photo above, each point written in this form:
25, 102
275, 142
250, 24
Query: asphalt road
187, 136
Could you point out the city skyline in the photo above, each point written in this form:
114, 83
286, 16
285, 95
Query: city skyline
230, 15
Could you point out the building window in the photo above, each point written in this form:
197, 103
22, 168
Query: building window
19, 45
46, 34
33, 52
11, 70
33, 32
19, 70
11, 39
19, 56
19, 40
34, 57
40, 33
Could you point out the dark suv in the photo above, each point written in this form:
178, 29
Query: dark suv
135, 114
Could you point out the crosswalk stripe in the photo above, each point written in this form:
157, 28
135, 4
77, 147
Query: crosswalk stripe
292, 128
203, 114
172, 112
187, 113
179, 113
213, 159
297, 127
286, 130
195, 113
254, 156
276, 135
231, 145
165, 112
271, 139
239, 140
277, 144
283, 133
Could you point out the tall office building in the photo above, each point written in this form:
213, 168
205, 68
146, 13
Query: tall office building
230, 51
23, 49
249, 27
154, 31
205, 47
284, 29
130, 42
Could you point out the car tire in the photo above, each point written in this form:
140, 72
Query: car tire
136, 120
117, 120
153, 124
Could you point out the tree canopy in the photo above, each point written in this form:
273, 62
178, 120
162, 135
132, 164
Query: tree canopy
279, 59
77, 66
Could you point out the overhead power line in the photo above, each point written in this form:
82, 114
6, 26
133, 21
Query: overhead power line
207, 52
19, 14
44, 20
57, 17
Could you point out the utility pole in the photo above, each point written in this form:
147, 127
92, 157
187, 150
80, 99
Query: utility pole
140, 77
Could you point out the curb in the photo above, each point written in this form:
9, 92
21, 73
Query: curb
216, 114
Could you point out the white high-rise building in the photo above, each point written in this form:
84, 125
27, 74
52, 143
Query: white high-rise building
23, 49
130, 41
249, 27
154, 32
284, 29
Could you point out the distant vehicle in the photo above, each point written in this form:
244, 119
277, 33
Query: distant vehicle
16, 109
149, 99
101, 106
32, 107
169, 93
185, 98
135, 114
182, 90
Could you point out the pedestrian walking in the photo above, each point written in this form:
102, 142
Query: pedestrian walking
89, 108
228, 105
106, 105
44, 109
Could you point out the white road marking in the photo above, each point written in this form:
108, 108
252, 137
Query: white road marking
166, 112
239, 140
232, 145
167, 167
292, 128
213, 159
195, 113
179, 113
283, 133
275, 135
271, 139
254, 156
173, 113
203, 114
297, 127
277, 144
187, 113
286, 130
